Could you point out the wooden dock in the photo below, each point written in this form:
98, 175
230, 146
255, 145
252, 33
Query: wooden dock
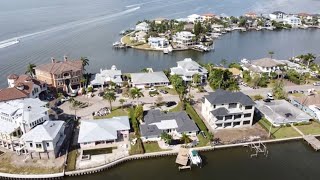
183, 159
314, 142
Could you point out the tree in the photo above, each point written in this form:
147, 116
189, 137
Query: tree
308, 58
110, 96
242, 22
223, 62
233, 85
185, 138
271, 53
122, 101
85, 62
159, 100
235, 65
196, 78
138, 112
30, 69
278, 90
90, 89
136, 93
197, 29
166, 137
145, 70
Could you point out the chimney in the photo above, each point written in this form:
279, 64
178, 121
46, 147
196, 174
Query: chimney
53, 60
65, 58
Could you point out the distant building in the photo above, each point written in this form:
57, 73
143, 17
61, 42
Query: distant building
158, 42
188, 27
251, 15
173, 123
188, 68
143, 26
104, 133
277, 16
108, 75
293, 21
45, 140
141, 80
23, 86
264, 65
61, 74
195, 18
139, 36
224, 109
208, 16
159, 20
184, 39
18, 117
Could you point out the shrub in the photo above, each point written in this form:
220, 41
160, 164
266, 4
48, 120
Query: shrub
257, 97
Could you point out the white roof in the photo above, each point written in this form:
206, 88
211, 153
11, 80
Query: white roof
48, 131
103, 129
107, 75
166, 124
147, 78
7, 127
186, 65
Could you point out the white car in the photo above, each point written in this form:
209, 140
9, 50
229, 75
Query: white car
316, 83
269, 96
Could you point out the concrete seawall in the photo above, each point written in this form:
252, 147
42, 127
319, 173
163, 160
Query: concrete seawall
133, 157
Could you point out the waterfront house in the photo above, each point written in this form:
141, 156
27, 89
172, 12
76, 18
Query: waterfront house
139, 36
187, 68
184, 39
23, 86
251, 15
158, 42
309, 104
277, 16
104, 133
45, 140
281, 112
264, 65
143, 26
106, 76
193, 18
156, 122
225, 109
292, 21
148, 79
63, 75
159, 20
188, 27
208, 16
18, 117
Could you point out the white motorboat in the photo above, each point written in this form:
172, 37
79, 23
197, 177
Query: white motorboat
194, 157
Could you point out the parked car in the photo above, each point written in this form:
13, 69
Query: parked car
49, 97
163, 91
65, 99
269, 96
316, 83
152, 89
170, 103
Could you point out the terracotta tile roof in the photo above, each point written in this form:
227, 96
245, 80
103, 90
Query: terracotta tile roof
8, 94
13, 76
209, 15
59, 67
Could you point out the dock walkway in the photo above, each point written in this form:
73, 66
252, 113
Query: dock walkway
314, 142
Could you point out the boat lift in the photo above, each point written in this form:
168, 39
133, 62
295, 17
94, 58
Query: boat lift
258, 147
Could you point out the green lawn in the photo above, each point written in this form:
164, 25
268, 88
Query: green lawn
313, 128
152, 147
71, 161
115, 112
99, 151
170, 90
194, 115
279, 132
138, 148
177, 108
126, 40
202, 141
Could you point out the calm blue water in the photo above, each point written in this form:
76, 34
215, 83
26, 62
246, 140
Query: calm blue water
88, 28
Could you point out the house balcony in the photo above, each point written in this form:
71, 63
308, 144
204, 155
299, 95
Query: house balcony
106, 145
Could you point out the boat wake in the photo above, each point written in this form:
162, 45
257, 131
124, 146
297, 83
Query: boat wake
15, 40
140, 4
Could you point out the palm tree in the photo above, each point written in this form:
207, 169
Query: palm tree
122, 101
136, 93
85, 62
223, 62
30, 69
278, 90
185, 138
271, 53
196, 78
166, 137
309, 58
109, 96
145, 70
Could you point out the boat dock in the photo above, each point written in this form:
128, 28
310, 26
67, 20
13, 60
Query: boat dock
183, 159
314, 142
258, 147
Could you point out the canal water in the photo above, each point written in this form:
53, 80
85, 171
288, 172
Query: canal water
77, 28
293, 160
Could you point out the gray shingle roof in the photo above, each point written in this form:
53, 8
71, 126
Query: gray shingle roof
225, 97
220, 112
183, 121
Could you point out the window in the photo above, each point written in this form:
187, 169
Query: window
219, 117
238, 116
38, 146
228, 117
214, 106
236, 124
246, 122
227, 124
232, 105
247, 115
31, 145
48, 144
248, 107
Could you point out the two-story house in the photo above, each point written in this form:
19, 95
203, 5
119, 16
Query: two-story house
188, 68
143, 26
106, 76
63, 75
277, 16
45, 140
184, 39
18, 117
225, 109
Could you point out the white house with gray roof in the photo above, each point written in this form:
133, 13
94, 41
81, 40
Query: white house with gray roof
173, 123
141, 80
45, 140
263, 65
225, 109
108, 75
102, 133
18, 117
188, 68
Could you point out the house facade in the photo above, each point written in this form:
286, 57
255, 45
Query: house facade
108, 75
143, 26
63, 75
158, 42
184, 39
104, 133
293, 21
18, 117
174, 123
277, 16
187, 68
264, 65
45, 140
224, 109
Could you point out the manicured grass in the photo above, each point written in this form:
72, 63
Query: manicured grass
93, 152
71, 161
170, 90
115, 112
202, 141
194, 115
278, 132
152, 147
126, 40
313, 128
137, 148
177, 108
297, 94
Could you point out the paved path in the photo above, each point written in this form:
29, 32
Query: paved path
298, 130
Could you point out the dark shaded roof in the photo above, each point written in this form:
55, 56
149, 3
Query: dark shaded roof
185, 124
220, 112
225, 97
278, 12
